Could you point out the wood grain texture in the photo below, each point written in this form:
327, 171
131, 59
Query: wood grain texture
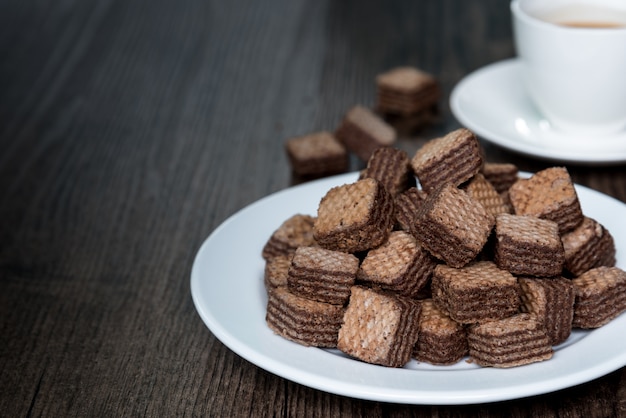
130, 130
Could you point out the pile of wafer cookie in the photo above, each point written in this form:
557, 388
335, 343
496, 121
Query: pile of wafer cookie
442, 256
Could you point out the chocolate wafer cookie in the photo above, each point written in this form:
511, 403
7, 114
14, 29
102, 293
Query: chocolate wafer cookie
302, 320
548, 194
587, 246
551, 300
276, 271
362, 132
454, 158
501, 175
294, 232
316, 155
406, 91
478, 292
526, 245
509, 342
354, 217
392, 168
406, 207
479, 189
600, 296
452, 226
440, 340
400, 264
379, 327
323, 275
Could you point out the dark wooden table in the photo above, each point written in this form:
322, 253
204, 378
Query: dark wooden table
129, 130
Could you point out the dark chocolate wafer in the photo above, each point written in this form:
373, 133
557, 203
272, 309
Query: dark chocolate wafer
475, 293
392, 168
509, 342
551, 300
323, 275
354, 217
526, 245
587, 246
548, 194
406, 91
600, 296
400, 264
379, 327
452, 226
362, 132
440, 340
454, 158
406, 207
294, 232
316, 155
302, 320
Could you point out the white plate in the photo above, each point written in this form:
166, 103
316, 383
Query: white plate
492, 102
228, 292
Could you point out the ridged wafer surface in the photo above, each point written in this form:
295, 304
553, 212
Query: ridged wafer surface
302, 320
454, 158
587, 246
362, 132
476, 293
354, 217
400, 264
548, 194
294, 232
526, 245
452, 226
441, 340
600, 296
551, 301
391, 167
379, 328
277, 270
509, 342
501, 175
479, 189
316, 154
323, 275
407, 205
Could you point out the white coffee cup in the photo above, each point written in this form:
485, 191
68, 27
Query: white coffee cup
575, 75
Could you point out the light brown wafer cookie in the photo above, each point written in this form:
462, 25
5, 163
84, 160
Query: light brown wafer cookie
362, 132
548, 194
600, 296
379, 328
587, 246
354, 217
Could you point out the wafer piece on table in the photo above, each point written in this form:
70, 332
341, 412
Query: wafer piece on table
316, 155
587, 246
379, 327
551, 300
475, 293
323, 275
399, 264
600, 296
276, 271
509, 342
362, 132
406, 207
548, 194
530, 246
392, 168
294, 232
406, 125
440, 340
454, 158
406, 91
501, 175
354, 217
452, 226
479, 189
304, 321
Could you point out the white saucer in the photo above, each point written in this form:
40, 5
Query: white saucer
493, 104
